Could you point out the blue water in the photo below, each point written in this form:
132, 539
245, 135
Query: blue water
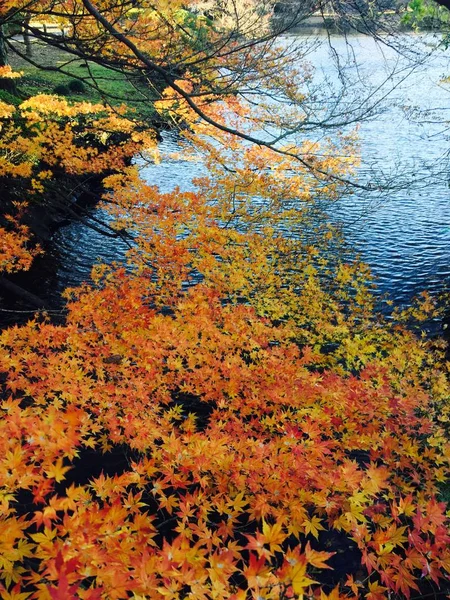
403, 234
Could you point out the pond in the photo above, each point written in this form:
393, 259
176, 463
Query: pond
404, 234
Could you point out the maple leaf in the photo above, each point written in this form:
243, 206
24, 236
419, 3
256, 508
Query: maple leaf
353, 585
44, 538
333, 595
376, 591
45, 517
257, 543
297, 575
273, 535
406, 506
313, 526
15, 593
63, 591
57, 471
317, 558
257, 571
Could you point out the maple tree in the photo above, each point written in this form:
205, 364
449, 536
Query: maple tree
224, 415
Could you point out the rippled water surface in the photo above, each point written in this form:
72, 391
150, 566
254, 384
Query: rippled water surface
404, 235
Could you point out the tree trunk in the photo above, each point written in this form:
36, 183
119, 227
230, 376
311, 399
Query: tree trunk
7, 84
27, 38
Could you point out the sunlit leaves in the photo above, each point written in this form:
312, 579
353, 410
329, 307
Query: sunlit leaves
225, 415
239, 486
47, 135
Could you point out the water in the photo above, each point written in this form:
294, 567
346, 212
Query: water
403, 235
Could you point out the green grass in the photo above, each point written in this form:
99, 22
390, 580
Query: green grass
9, 98
101, 84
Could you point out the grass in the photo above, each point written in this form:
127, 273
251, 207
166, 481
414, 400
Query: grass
101, 83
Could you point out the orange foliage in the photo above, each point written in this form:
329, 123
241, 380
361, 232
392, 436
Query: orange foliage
47, 136
47, 133
242, 448
225, 415
15, 253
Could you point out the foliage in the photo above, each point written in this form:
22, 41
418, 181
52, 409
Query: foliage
61, 90
245, 448
15, 251
46, 135
424, 14
77, 86
225, 414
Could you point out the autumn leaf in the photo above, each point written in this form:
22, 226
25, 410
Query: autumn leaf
313, 526
57, 471
273, 535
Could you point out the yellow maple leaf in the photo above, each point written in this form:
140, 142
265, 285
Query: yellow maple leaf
299, 578
273, 535
57, 471
313, 526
